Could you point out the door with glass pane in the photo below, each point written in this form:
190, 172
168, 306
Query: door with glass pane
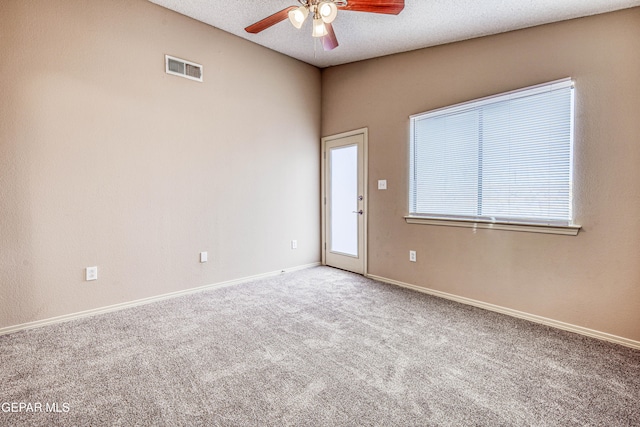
344, 201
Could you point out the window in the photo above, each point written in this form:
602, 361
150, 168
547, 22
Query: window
505, 158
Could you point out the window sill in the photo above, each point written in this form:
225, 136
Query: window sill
567, 230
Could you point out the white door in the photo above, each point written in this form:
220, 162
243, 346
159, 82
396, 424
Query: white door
344, 209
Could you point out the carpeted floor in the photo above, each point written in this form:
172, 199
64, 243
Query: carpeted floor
318, 347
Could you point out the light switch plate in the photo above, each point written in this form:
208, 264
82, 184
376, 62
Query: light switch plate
382, 184
203, 257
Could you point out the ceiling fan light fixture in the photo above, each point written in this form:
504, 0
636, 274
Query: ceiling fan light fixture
323, 13
297, 16
328, 11
319, 30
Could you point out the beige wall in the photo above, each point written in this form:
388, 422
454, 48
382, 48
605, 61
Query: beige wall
106, 160
592, 280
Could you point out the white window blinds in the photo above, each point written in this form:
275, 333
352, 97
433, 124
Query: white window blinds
502, 158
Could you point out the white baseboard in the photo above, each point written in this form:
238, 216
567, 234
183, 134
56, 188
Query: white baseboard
515, 313
143, 301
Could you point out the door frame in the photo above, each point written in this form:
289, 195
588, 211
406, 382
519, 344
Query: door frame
323, 184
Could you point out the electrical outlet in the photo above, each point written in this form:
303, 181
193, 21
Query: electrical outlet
203, 257
294, 244
91, 273
412, 256
382, 184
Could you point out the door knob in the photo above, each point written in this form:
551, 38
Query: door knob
360, 212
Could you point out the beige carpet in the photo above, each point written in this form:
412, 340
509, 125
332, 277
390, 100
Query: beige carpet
319, 347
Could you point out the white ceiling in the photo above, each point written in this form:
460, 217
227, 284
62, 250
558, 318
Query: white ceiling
422, 23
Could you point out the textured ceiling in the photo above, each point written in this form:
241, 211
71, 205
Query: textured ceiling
421, 24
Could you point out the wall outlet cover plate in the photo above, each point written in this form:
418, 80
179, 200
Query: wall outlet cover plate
91, 273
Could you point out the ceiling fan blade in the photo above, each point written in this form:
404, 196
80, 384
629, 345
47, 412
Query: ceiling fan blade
330, 41
269, 21
390, 7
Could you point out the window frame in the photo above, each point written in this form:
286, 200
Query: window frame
505, 223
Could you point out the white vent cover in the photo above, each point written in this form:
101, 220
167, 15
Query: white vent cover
183, 68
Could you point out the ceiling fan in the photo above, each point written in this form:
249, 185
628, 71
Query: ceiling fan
323, 12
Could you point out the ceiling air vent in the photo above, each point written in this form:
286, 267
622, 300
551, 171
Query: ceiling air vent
182, 68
